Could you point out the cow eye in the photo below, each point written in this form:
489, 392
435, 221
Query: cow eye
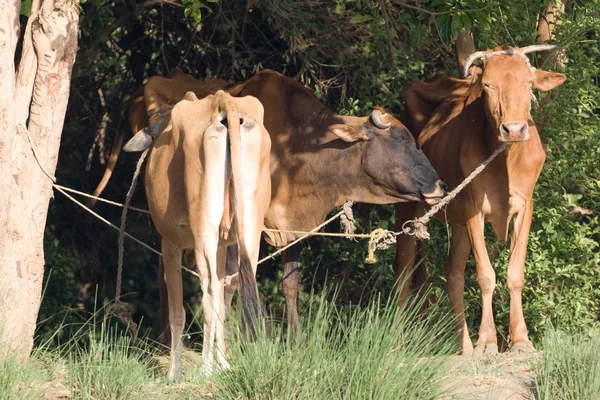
486, 86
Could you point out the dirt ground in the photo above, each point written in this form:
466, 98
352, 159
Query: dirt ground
507, 376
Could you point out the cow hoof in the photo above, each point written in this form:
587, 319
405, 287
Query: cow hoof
485, 349
523, 347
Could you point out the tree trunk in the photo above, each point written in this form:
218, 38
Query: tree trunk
464, 46
550, 16
40, 93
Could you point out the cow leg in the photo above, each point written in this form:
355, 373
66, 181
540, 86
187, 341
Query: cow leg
232, 269
212, 297
405, 252
486, 277
172, 275
459, 256
516, 279
290, 285
220, 322
164, 330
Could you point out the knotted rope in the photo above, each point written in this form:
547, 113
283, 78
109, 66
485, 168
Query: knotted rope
121, 309
346, 211
417, 227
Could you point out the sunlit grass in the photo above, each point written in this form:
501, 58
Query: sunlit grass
374, 352
569, 368
378, 352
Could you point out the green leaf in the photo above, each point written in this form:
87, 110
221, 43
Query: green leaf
359, 19
26, 8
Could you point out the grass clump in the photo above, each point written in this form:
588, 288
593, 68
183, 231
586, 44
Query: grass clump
19, 380
569, 367
108, 368
378, 352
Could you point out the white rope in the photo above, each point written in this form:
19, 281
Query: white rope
114, 203
378, 238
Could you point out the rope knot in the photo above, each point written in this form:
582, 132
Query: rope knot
417, 228
122, 311
380, 239
347, 221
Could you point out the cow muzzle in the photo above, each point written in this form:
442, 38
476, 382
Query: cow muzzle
434, 197
511, 132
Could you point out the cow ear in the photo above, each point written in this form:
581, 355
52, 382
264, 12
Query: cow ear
190, 96
347, 133
139, 142
545, 81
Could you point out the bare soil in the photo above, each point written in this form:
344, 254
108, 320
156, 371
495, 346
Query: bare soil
500, 377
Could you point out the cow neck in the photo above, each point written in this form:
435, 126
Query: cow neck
331, 173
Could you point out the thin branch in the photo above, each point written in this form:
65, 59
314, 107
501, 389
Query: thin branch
436, 13
119, 22
387, 28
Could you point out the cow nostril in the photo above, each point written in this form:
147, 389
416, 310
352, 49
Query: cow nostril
504, 129
442, 185
523, 129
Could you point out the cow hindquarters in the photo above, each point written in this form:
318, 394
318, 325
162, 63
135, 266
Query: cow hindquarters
486, 277
172, 268
516, 278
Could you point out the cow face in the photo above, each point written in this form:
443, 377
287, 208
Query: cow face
507, 82
393, 160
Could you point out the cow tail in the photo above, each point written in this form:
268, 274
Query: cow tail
248, 288
116, 148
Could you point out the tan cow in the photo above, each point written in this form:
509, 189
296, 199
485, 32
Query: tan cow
459, 123
195, 188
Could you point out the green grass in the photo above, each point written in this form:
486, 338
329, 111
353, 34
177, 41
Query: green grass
569, 368
376, 352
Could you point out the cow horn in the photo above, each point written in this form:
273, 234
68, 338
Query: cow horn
376, 117
537, 47
470, 60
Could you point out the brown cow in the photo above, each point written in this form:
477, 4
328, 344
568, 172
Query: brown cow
319, 159
459, 123
200, 154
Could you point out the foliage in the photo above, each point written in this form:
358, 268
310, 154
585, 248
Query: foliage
353, 54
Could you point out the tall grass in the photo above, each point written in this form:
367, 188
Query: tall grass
110, 368
345, 353
375, 352
569, 368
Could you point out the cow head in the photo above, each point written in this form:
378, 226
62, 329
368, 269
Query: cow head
391, 158
507, 80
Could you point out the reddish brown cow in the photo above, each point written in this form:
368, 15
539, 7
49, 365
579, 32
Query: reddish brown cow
459, 123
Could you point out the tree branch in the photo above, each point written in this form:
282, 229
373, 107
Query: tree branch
388, 31
436, 13
27, 69
124, 17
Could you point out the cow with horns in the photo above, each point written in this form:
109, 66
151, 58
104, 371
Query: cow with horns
459, 123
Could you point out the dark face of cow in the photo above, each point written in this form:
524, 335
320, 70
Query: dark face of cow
395, 163
507, 82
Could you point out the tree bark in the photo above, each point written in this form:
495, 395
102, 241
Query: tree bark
464, 46
550, 16
41, 94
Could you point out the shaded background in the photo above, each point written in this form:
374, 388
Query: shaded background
353, 54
